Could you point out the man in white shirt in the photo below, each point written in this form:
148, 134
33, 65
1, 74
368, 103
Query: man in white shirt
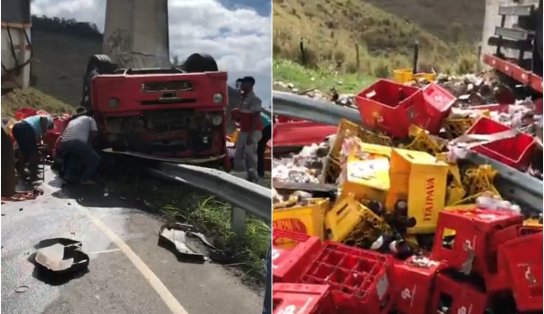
249, 116
76, 144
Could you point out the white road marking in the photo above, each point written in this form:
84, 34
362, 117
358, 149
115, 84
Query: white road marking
106, 251
153, 280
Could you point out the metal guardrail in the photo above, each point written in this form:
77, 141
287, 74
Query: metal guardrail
512, 184
243, 195
302, 107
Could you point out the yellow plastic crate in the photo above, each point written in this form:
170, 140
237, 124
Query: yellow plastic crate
420, 179
346, 129
402, 75
376, 149
532, 222
406, 75
367, 179
375, 138
331, 171
342, 218
368, 230
427, 76
308, 218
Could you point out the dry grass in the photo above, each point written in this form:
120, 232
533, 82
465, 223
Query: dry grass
440, 18
33, 98
331, 29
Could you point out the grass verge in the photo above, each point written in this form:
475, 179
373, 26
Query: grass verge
182, 203
32, 98
323, 80
358, 37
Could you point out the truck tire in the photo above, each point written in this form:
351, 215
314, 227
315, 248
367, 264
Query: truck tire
200, 62
101, 63
97, 64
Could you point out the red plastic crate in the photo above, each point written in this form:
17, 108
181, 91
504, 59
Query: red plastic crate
496, 280
522, 259
461, 297
359, 279
300, 133
413, 284
51, 136
514, 152
23, 113
292, 253
438, 103
390, 107
302, 299
473, 232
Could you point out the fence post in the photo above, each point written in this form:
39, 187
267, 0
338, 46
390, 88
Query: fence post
479, 63
302, 52
238, 221
357, 58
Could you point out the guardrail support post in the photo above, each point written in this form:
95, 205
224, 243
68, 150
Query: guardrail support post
238, 221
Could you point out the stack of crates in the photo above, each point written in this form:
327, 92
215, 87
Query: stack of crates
489, 246
392, 107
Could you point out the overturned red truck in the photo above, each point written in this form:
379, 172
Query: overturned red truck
176, 113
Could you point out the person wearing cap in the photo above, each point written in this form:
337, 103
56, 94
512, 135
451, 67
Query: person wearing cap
76, 145
266, 122
27, 134
248, 115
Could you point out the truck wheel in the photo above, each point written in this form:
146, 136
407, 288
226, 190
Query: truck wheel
101, 63
200, 62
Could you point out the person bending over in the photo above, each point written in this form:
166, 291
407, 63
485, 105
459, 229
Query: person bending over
76, 145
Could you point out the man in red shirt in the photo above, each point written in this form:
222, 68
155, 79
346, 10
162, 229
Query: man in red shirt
249, 116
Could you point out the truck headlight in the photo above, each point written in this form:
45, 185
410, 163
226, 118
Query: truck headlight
113, 102
217, 120
218, 98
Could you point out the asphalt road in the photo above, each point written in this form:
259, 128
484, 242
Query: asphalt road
128, 271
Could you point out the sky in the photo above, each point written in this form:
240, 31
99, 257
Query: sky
237, 33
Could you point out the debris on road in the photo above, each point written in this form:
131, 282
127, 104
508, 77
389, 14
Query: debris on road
23, 196
174, 238
61, 256
22, 289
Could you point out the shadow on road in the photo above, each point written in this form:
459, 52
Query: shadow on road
98, 195
95, 196
52, 278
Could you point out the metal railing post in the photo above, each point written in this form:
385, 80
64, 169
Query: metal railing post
238, 221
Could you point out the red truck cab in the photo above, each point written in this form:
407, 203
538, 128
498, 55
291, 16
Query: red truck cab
164, 113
